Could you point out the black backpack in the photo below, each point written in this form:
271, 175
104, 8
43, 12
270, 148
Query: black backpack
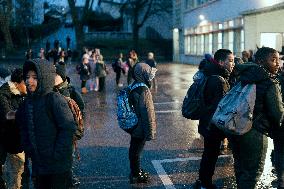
193, 104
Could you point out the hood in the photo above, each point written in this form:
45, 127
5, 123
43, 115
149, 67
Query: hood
211, 68
253, 73
45, 74
142, 73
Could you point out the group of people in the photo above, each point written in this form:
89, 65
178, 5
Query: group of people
37, 126
249, 149
93, 69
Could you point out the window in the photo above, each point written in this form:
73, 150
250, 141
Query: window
220, 40
242, 41
210, 45
231, 41
187, 44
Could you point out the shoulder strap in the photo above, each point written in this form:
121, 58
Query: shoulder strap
138, 85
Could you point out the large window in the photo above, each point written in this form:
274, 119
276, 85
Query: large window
220, 40
231, 41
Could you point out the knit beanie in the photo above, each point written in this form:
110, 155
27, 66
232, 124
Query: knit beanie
61, 70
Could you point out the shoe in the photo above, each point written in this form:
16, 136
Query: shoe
198, 185
142, 177
120, 85
84, 90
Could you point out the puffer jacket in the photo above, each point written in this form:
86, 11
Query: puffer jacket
269, 109
10, 100
141, 99
216, 88
47, 140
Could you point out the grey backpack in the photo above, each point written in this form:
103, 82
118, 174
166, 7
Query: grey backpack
234, 114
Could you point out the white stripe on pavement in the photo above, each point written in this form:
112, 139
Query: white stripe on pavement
163, 174
167, 111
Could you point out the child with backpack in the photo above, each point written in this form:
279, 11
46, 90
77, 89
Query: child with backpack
249, 149
145, 130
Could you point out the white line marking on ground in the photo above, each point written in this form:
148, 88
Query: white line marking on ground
167, 111
172, 102
163, 174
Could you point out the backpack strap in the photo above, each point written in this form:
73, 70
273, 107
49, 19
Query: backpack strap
138, 85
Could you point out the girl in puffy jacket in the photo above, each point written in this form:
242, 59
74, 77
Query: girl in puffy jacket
141, 99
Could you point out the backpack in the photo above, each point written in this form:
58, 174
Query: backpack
126, 117
234, 114
193, 103
77, 115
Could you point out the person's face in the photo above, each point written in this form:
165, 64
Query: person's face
120, 55
85, 61
150, 56
22, 87
58, 80
273, 62
229, 63
31, 81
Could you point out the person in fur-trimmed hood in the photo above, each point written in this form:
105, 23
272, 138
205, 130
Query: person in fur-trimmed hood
145, 130
46, 126
11, 153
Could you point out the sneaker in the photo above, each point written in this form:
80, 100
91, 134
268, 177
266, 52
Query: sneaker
120, 85
142, 177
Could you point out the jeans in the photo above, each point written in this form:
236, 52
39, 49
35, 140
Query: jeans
135, 150
249, 151
212, 143
14, 169
52, 181
278, 140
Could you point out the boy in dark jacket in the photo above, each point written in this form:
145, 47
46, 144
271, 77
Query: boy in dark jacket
63, 86
46, 138
11, 96
141, 99
249, 150
218, 72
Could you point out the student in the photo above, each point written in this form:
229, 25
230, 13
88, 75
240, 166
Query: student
117, 67
218, 72
153, 64
141, 99
63, 86
101, 73
85, 72
249, 150
46, 126
11, 96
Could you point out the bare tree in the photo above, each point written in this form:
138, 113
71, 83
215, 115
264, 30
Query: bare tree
79, 21
141, 11
5, 19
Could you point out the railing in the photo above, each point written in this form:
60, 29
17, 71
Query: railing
107, 35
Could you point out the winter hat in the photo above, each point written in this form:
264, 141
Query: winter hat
61, 70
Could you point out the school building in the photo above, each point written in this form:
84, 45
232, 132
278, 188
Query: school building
204, 26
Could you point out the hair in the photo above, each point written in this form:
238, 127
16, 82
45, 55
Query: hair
222, 54
262, 54
238, 60
17, 75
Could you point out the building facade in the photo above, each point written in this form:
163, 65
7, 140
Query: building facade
204, 26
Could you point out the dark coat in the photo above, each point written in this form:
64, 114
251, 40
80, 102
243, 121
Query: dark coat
10, 100
85, 71
48, 141
100, 69
269, 108
141, 99
216, 88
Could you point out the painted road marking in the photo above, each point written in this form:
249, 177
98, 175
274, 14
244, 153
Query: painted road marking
163, 174
167, 111
172, 102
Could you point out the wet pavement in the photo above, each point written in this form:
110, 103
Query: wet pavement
172, 159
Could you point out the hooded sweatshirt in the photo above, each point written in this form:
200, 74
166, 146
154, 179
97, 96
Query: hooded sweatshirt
47, 139
269, 109
141, 99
